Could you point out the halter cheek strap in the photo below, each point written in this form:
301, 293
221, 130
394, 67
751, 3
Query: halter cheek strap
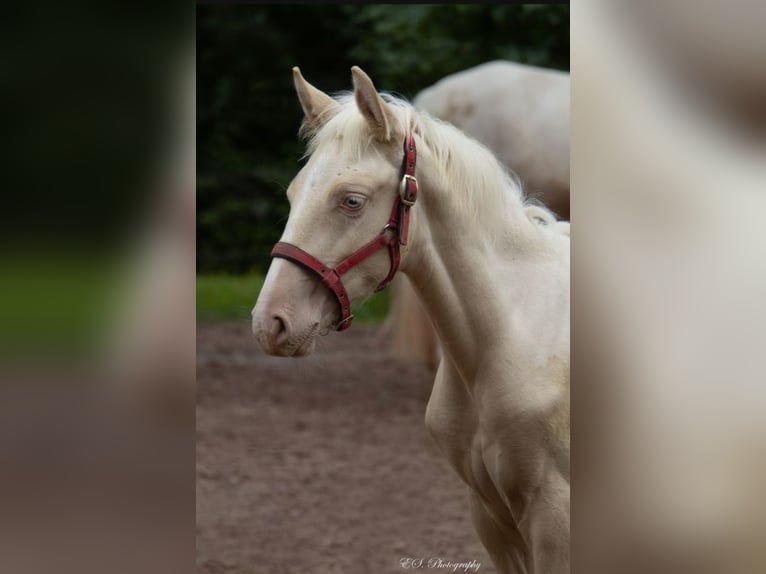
394, 234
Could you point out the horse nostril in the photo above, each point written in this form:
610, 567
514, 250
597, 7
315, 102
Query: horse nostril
278, 332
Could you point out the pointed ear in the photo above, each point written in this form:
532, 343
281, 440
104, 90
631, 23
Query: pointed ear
317, 106
372, 106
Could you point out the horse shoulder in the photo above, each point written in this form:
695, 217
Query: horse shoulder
525, 423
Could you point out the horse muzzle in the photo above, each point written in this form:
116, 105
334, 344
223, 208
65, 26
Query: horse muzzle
290, 311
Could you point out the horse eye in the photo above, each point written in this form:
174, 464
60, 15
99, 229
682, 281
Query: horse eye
352, 202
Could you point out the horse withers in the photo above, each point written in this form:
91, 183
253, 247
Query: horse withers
387, 188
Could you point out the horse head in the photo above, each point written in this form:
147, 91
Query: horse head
341, 221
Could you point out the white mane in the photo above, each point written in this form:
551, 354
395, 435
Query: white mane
461, 160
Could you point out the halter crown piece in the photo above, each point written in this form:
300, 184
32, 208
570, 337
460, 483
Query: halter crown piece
392, 236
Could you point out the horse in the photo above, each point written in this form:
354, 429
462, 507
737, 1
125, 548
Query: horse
389, 188
521, 113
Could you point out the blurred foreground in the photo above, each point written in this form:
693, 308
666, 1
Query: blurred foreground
669, 188
97, 295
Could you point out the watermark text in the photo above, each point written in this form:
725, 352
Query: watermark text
439, 564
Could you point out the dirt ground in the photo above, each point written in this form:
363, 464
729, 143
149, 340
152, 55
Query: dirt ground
321, 465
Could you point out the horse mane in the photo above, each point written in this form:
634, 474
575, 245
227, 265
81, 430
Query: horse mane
463, 161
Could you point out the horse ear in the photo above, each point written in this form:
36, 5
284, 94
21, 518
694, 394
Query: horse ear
317, 106
372, 106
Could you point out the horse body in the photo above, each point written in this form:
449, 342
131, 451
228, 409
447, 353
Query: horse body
493, 275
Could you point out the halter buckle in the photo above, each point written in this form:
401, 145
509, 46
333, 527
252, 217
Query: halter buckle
406, 179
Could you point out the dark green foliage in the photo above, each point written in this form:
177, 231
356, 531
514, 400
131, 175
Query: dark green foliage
248, 115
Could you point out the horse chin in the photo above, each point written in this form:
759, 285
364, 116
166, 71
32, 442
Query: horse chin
304, 343
305, 349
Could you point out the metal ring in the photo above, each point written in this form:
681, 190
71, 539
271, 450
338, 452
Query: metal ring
338, 326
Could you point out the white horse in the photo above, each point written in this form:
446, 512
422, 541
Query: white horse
521, 113
492, 272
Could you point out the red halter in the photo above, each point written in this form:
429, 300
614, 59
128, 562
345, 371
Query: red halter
398, 223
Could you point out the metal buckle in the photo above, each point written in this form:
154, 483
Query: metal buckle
403, 187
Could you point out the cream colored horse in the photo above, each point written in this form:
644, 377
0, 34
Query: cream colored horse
493, 274
519, 112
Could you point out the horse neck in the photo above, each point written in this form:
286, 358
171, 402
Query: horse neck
453, 263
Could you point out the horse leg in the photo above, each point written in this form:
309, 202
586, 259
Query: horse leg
547, 529
506, 558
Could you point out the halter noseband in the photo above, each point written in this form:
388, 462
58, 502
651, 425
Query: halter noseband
398, 223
